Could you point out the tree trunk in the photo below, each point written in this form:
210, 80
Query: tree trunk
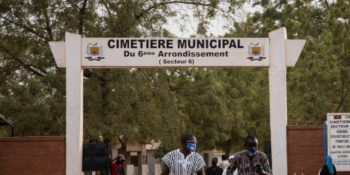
228, 149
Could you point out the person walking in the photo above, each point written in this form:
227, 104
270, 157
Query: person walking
328, 167
250, 161
184, 161
214, 169
117, 167
224, 162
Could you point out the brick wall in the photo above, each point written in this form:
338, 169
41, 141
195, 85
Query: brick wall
47, 155
305, 150
33, 156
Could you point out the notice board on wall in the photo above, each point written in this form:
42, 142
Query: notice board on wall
338, 140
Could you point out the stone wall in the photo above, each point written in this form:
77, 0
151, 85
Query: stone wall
33, 155
305, 150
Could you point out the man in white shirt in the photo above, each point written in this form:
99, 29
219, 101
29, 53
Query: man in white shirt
224, 162
184, 161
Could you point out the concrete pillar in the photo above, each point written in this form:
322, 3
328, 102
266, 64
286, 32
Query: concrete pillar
278, 100
74, 106
145, 170
141, 156
130, 170
157, 169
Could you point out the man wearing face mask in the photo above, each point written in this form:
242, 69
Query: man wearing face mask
184, 161
250, 161
214, 169
117, 167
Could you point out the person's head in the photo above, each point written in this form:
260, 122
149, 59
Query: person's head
251, 144
189, 142
329, 164
120, 158
329, 159
214, 161
223, 157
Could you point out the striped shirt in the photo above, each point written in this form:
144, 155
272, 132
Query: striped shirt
245, 166
179, 165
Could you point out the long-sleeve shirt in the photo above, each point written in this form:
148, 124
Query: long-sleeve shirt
247, 166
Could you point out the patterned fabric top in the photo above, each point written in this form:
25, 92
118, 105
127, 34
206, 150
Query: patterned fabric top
245, 166
179, 165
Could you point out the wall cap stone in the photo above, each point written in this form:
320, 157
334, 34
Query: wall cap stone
305, 127
33, 139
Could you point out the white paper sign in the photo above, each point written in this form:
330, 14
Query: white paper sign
338, 138
175, 52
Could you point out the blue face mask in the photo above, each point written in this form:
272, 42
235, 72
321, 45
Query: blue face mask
191, 147
252, 153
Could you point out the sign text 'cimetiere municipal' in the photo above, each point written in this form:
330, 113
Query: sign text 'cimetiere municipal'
175, 52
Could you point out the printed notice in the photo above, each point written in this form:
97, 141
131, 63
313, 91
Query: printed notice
338, 127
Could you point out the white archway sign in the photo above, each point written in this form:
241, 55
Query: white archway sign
275, 52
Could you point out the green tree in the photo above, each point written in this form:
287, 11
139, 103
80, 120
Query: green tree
133, 103
319, 82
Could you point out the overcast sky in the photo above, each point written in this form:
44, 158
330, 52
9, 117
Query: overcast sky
216, 26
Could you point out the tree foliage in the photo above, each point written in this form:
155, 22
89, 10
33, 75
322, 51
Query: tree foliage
136, 104
319, 83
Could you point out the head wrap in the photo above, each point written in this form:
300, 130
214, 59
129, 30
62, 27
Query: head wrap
329, 164
230, 158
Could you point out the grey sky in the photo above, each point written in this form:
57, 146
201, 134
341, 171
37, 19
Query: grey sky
216, 26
